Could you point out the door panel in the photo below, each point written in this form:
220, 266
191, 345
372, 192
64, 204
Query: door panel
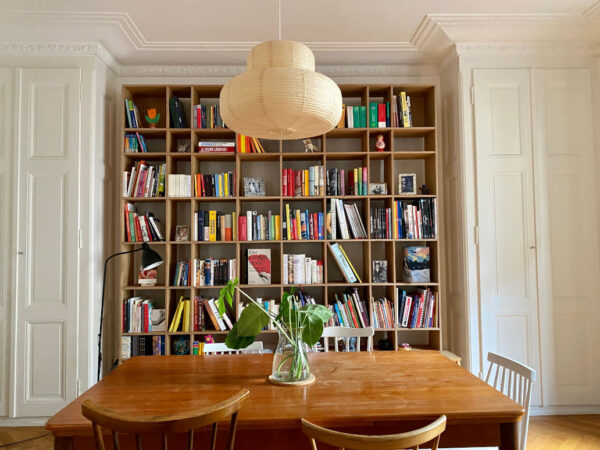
568, 230
505, 202
47, 240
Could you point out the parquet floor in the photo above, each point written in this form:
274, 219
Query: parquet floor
545, 433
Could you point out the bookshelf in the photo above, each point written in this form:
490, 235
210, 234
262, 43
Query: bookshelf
408, 150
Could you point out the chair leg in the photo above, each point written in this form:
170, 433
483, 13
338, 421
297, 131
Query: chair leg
213, 439
232, 429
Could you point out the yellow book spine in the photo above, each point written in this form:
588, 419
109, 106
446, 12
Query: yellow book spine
201, 348
234, 226
394, 221
186, 315
350, 264
356, 182
298, 226
288, 222
405, 119
173, 320
243, 139
306, 181
277, 228
212, 226
226, 184
178, 314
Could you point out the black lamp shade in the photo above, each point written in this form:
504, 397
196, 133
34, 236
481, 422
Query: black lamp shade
150, 259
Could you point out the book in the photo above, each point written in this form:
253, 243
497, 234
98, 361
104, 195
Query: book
259, 266
416, 265
158, 319
343, 263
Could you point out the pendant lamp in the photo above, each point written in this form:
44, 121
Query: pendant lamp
280, 96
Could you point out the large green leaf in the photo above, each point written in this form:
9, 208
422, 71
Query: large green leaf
317, 312
313, 330
234, 340
226, 295
252, 321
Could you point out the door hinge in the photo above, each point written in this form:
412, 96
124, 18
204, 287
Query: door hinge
80, 239
476, 234
472, 95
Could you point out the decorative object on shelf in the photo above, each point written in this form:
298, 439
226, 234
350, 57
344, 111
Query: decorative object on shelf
181, 345
150, 260
147, 277
152, 117
208, 339
309, 147
425, 190
405, 346
254, 187
380, 271
259, 266
379, 143
184, 147
407, 183
416, 265
378, 188
298, 326
158, 318
182, 233
280, 96
385, 344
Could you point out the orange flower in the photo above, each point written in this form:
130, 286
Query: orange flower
152, 113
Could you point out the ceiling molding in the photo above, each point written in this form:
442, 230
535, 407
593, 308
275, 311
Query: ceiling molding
593, 12
529, 48
503, 19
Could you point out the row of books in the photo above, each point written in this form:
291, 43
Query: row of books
137, 315
417, 310
259, 227
215, 185
412, 219
142, 228
179, 185
178, 117
306, 182
214, 226
247, 144
212, 271
142, 346
145, 180
132, 113
207, 116
349, 310
134, 143
381, 115
206, 313
302, 269
216, 147
382, 313
301, 225
346, 219
343, 261
357, 184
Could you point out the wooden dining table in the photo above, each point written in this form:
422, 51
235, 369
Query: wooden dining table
360, 392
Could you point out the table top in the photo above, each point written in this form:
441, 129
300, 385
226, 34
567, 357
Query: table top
350, 389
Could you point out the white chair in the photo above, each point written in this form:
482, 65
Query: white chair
514, 380
221, 349
346, 333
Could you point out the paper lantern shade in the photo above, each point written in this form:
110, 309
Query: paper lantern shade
280, 96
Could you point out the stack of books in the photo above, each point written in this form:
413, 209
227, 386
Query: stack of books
417, 310
413, 219
349, 311
302, 269
247, 144
303, 183
145, 180
214, 226
259, 227
216, 147
215, 185
383, 313
213, 271
137, 315
179, 185
142, 346
206, 313
345, 219
181, 277
142, 228
133, 114
207, 116
134, 143
302, 225
181, 317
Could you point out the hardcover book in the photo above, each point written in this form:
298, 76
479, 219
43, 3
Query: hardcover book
259, 266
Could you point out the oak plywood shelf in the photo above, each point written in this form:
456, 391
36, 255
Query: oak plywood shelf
408, 150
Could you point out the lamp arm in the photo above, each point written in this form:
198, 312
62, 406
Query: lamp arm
102, 304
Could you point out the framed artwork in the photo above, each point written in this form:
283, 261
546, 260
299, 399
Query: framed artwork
407, 183
182, 233
377, 188
254, 187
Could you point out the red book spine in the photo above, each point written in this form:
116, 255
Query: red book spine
351, 182
298, 183
195, 324
138, 230
388, 230
381, 113
127, 227
284, 182
242, 228
294, 236
290, 182
353, 314
365, 180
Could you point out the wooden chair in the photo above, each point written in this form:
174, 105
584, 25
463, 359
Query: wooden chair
346, 334
163, 425
410, 439
514, 380
222, 349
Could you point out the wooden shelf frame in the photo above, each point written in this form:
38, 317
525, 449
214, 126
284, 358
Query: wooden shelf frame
342, 146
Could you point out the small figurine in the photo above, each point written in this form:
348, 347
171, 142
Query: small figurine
405, 346
309, 146
425, 190
208, 339
152, 117
380, 143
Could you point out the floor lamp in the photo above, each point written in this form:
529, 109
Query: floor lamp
150, 260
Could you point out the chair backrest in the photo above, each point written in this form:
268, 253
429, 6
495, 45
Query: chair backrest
410, 439
514, 380
222, 349
186, 422
346, 333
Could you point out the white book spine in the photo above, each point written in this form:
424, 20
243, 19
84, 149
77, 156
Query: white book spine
248, 225
307, 271
285, 269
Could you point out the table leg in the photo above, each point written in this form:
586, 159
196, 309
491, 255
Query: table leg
63, 443
509, 436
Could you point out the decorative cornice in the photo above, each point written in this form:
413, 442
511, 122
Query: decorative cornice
487, 20
593, 12
529, 48
179, 71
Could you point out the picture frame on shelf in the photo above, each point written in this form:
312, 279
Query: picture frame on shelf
407, 183
378, 189
182, 233
254, 187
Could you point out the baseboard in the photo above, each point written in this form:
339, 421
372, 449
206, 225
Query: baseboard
564, 410
23, 422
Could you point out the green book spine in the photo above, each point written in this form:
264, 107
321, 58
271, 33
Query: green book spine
356, 116
363, 117
373, 115
387, 114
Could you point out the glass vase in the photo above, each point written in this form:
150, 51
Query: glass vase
290, 362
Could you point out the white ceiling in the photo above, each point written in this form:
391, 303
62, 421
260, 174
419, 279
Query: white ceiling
339, 31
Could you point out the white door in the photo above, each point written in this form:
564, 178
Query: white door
568, 230
47, 269
505, 202
6, 112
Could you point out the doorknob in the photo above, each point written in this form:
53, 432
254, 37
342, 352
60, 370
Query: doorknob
532, 247
19, 253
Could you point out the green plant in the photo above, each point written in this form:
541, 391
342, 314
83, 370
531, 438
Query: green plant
296, 323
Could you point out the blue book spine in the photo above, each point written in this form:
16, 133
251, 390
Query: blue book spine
339, 314
320, 226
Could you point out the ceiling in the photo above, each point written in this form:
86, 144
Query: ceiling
138, 32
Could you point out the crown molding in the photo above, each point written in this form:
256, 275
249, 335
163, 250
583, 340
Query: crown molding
593, 12
179, 71
527, 48
487, 20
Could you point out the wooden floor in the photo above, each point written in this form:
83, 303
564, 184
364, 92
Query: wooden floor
545, 433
